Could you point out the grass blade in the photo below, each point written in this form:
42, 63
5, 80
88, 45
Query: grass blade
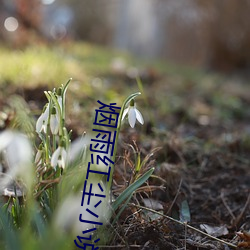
128, 191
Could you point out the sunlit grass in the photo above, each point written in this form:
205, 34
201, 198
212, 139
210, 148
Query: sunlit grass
41, 64
51, 64
90, 66
37, 65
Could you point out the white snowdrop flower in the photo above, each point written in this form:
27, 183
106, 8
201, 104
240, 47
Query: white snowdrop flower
54, 121
133, 114
39, 154
42, 122
59, 157
17, 152
59, 97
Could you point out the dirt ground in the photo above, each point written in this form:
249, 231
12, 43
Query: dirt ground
214, 184
202, 166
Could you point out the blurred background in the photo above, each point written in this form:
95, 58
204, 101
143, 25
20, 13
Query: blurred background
183, 51
212, 34
193, 60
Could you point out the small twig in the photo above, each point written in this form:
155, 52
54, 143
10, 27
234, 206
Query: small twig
149, 188
173, 202
57, 180
183, 224
237, 220
227, 207
185, 242
49, 185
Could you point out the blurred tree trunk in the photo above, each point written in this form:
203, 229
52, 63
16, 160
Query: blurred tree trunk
28, 14
229, 35
92, 22
211, 33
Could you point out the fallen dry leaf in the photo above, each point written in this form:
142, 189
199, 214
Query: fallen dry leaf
214, 230
245, 236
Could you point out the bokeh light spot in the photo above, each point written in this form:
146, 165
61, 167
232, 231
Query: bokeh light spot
58, 31
47, 2
11, 24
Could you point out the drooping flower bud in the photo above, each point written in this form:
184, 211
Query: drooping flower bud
133, 114
54, 121
42, 121
59, 157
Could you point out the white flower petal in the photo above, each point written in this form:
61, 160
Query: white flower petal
63, 158
39, 123
61, 163
55, 156
46, 113
132, 117
5, 139
59, 99
54, 124
42, 121
64, 153
124, 113
59, 158
38, 156
139, 116
133, 114
44, 127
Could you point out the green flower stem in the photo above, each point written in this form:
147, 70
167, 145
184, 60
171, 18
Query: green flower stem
54, 142
118, 132
65, 87
53, 97
46, 150
47, 137
66, 137
61, 112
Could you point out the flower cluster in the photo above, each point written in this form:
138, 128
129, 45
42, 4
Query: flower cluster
56, 152
52, 151
51, 115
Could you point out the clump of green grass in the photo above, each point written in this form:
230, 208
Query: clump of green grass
51, 181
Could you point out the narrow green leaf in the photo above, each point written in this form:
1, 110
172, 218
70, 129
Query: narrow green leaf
128, 191
65, 87
132, 96
185, 212
122, 208
138, 163
39, 222
10, 236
